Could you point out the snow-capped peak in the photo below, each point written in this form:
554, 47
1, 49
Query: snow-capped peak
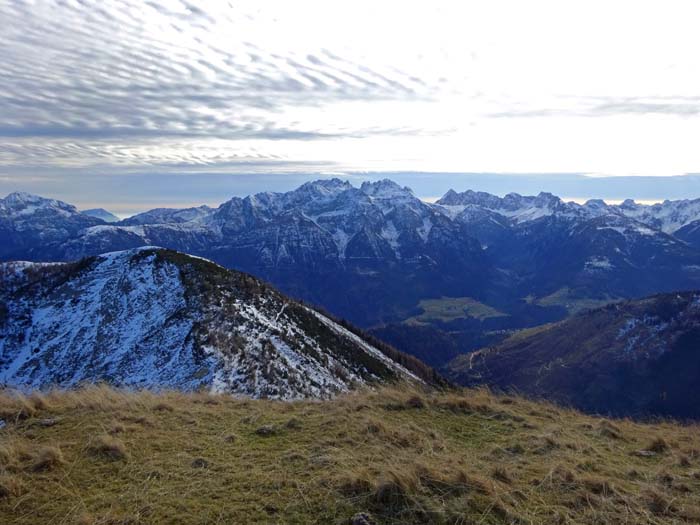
322, 189
22, 204
329, 186
595, 204
19, 197
385, 189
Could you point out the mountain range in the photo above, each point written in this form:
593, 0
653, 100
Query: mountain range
155, 318
466, 270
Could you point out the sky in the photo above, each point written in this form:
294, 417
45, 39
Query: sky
131, 104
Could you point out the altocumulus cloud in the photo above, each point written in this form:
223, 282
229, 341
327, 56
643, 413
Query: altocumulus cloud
133, 82
92, 88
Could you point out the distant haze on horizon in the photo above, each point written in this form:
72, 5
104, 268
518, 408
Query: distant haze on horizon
128, 105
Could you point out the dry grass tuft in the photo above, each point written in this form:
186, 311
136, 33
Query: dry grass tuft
415, 401
16, 407
473, 482
457, 404
47, 458
658, 504
500, 473
358, 483
16, 454
545, 445
684, 461
598, 486
658, 446
561, 477
609, 430
117, 428
39, 401
108, 447
375, 426
394, 488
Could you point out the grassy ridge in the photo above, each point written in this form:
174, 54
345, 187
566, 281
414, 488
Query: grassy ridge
102, 456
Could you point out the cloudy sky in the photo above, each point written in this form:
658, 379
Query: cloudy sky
131, 103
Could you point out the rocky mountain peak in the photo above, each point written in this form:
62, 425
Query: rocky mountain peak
450, 198
385, 189
595, 204
470, 198
323, 187
545, 198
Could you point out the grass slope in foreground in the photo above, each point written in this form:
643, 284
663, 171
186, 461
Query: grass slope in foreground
102, 456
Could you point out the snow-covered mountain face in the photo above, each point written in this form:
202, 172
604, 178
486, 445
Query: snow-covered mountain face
151, 317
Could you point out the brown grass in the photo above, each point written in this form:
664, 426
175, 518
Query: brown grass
392, 456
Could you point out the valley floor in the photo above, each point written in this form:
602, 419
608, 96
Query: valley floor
103, 456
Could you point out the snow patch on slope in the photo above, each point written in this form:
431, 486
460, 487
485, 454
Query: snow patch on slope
110, 325
131, 318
